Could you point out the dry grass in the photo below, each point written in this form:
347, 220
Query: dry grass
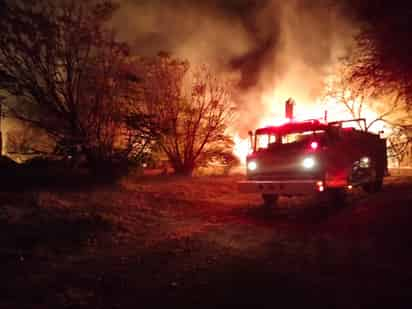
199, 240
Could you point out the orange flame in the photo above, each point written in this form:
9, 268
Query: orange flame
274, 105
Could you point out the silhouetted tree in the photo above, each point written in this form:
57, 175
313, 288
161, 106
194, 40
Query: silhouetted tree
388, 109
359, 101
382, 58
192, 107
66, 72
399, 144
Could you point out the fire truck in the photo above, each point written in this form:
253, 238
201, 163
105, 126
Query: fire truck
314, 156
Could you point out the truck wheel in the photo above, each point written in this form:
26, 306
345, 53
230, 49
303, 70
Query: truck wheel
368, 187
374, 186
336, 197
378, 184
269, 200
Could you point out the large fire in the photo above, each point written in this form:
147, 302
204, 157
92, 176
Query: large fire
274, 103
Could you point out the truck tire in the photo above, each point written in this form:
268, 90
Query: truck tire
336, 197
368, 187
270, 200
376, 184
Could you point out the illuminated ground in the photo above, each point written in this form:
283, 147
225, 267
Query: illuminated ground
166, 241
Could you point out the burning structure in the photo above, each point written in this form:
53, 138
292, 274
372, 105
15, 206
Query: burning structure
264, 43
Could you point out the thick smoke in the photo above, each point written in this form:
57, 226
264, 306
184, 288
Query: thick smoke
280, 48
312, 38
201, 31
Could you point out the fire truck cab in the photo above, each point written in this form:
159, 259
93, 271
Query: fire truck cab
314, 156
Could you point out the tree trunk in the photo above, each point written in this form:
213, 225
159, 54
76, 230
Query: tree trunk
185, 169
1, 133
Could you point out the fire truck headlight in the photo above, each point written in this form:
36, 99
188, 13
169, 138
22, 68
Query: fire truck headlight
252, 166
364, 162
308, 163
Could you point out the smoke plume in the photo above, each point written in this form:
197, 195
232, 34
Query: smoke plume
280, 49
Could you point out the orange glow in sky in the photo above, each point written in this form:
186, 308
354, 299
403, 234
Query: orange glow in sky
274, 103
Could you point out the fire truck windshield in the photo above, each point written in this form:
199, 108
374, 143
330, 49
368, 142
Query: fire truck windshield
269, 140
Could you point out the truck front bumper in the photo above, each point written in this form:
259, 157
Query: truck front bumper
281, 187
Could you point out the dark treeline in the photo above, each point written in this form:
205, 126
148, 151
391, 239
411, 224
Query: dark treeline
64, 72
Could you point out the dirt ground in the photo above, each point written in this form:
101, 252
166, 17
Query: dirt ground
155, 241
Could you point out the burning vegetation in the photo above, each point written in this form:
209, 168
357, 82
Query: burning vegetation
102, 99
99, 89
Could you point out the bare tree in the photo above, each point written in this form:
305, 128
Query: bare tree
390, 109
400, 142
381, 61
193, 109
66, 71
381, 58
358, 100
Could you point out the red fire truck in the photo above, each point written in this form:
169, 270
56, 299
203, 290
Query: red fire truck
314, 156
